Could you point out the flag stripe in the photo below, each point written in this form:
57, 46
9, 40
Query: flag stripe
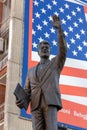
76, 115
74, 72
80, 2
66, 89
73, 63
73, 81
75, 99
85, 9
76, 2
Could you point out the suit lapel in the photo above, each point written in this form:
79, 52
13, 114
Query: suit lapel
46, 73
35, 73
46, 70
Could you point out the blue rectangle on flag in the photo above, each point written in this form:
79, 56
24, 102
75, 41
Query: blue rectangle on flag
73, 22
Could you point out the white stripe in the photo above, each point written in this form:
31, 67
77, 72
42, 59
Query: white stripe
79, 64
35, 56
75, 99
80, 2
73, 1
73, 81
86, 17
69, 62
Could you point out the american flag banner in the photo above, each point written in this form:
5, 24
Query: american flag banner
73, 79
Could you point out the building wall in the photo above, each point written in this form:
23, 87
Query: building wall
12, 119
2, 93
1, 6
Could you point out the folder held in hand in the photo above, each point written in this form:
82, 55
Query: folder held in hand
21, 96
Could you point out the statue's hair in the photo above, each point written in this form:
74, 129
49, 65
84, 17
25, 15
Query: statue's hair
45, 42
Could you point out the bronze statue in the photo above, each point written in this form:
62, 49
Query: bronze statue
42, 83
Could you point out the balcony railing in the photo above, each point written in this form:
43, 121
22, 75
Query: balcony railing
4, 25
2, 111
3, 62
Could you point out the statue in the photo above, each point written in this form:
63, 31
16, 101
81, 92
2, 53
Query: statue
42, 83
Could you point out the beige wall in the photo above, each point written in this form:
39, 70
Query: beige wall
12, 120
1, 6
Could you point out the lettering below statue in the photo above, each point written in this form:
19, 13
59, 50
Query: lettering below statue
42, 83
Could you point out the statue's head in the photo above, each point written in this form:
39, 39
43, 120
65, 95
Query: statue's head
44, 49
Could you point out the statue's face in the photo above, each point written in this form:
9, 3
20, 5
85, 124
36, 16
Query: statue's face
44, 50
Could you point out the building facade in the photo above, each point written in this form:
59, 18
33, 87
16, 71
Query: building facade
11, 45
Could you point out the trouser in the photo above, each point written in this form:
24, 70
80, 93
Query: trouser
45, 117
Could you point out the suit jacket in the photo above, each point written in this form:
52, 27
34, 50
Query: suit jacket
48, 82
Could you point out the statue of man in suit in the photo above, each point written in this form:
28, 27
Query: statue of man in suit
42, 83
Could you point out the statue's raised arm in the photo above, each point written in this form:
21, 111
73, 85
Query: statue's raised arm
62, 47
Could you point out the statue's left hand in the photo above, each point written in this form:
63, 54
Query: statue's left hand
56, 22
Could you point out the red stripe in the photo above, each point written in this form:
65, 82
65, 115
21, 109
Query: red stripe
85, 9
77, 91
74, 72
76, 116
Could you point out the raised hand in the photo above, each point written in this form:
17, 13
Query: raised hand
56, 22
